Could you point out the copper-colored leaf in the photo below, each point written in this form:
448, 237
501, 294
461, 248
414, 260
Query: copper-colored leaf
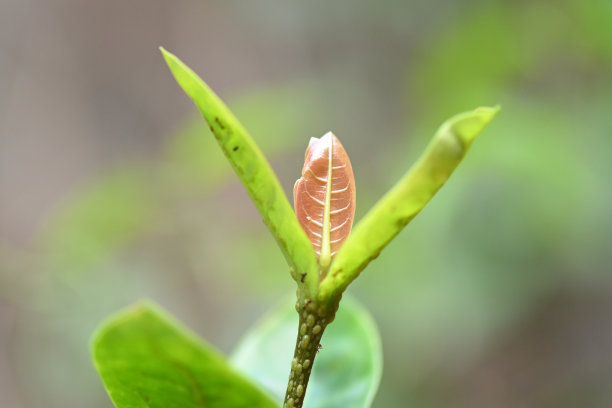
324, 197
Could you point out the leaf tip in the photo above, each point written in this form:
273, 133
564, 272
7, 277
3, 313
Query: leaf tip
164, 51
136, 309
487, 113
469, 124
168, 56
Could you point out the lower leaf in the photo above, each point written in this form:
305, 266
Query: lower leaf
147, 359
346, 372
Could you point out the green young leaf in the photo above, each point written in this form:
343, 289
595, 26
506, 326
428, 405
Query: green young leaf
347, 369
147, 359
254, 172
404, 201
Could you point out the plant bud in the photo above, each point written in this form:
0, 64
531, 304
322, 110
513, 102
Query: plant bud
324, 197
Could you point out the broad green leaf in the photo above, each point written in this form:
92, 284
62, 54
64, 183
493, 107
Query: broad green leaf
254, 172
346, 372
405, 200
147, 359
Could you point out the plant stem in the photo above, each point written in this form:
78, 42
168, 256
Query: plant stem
313, 321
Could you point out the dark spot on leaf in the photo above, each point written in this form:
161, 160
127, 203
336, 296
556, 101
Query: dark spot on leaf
303, 277
401, 222
221, 125
235, 148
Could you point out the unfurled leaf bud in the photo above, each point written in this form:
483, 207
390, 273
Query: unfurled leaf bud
324, 197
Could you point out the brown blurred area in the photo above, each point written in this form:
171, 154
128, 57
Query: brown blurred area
111, 188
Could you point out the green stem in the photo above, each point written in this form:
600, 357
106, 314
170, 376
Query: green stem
312, 323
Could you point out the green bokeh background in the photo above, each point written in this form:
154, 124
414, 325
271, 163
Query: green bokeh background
499, 294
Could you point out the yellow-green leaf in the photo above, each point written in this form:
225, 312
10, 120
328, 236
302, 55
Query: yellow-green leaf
404, 201
254, 172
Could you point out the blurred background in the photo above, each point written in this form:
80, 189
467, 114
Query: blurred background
499, 294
